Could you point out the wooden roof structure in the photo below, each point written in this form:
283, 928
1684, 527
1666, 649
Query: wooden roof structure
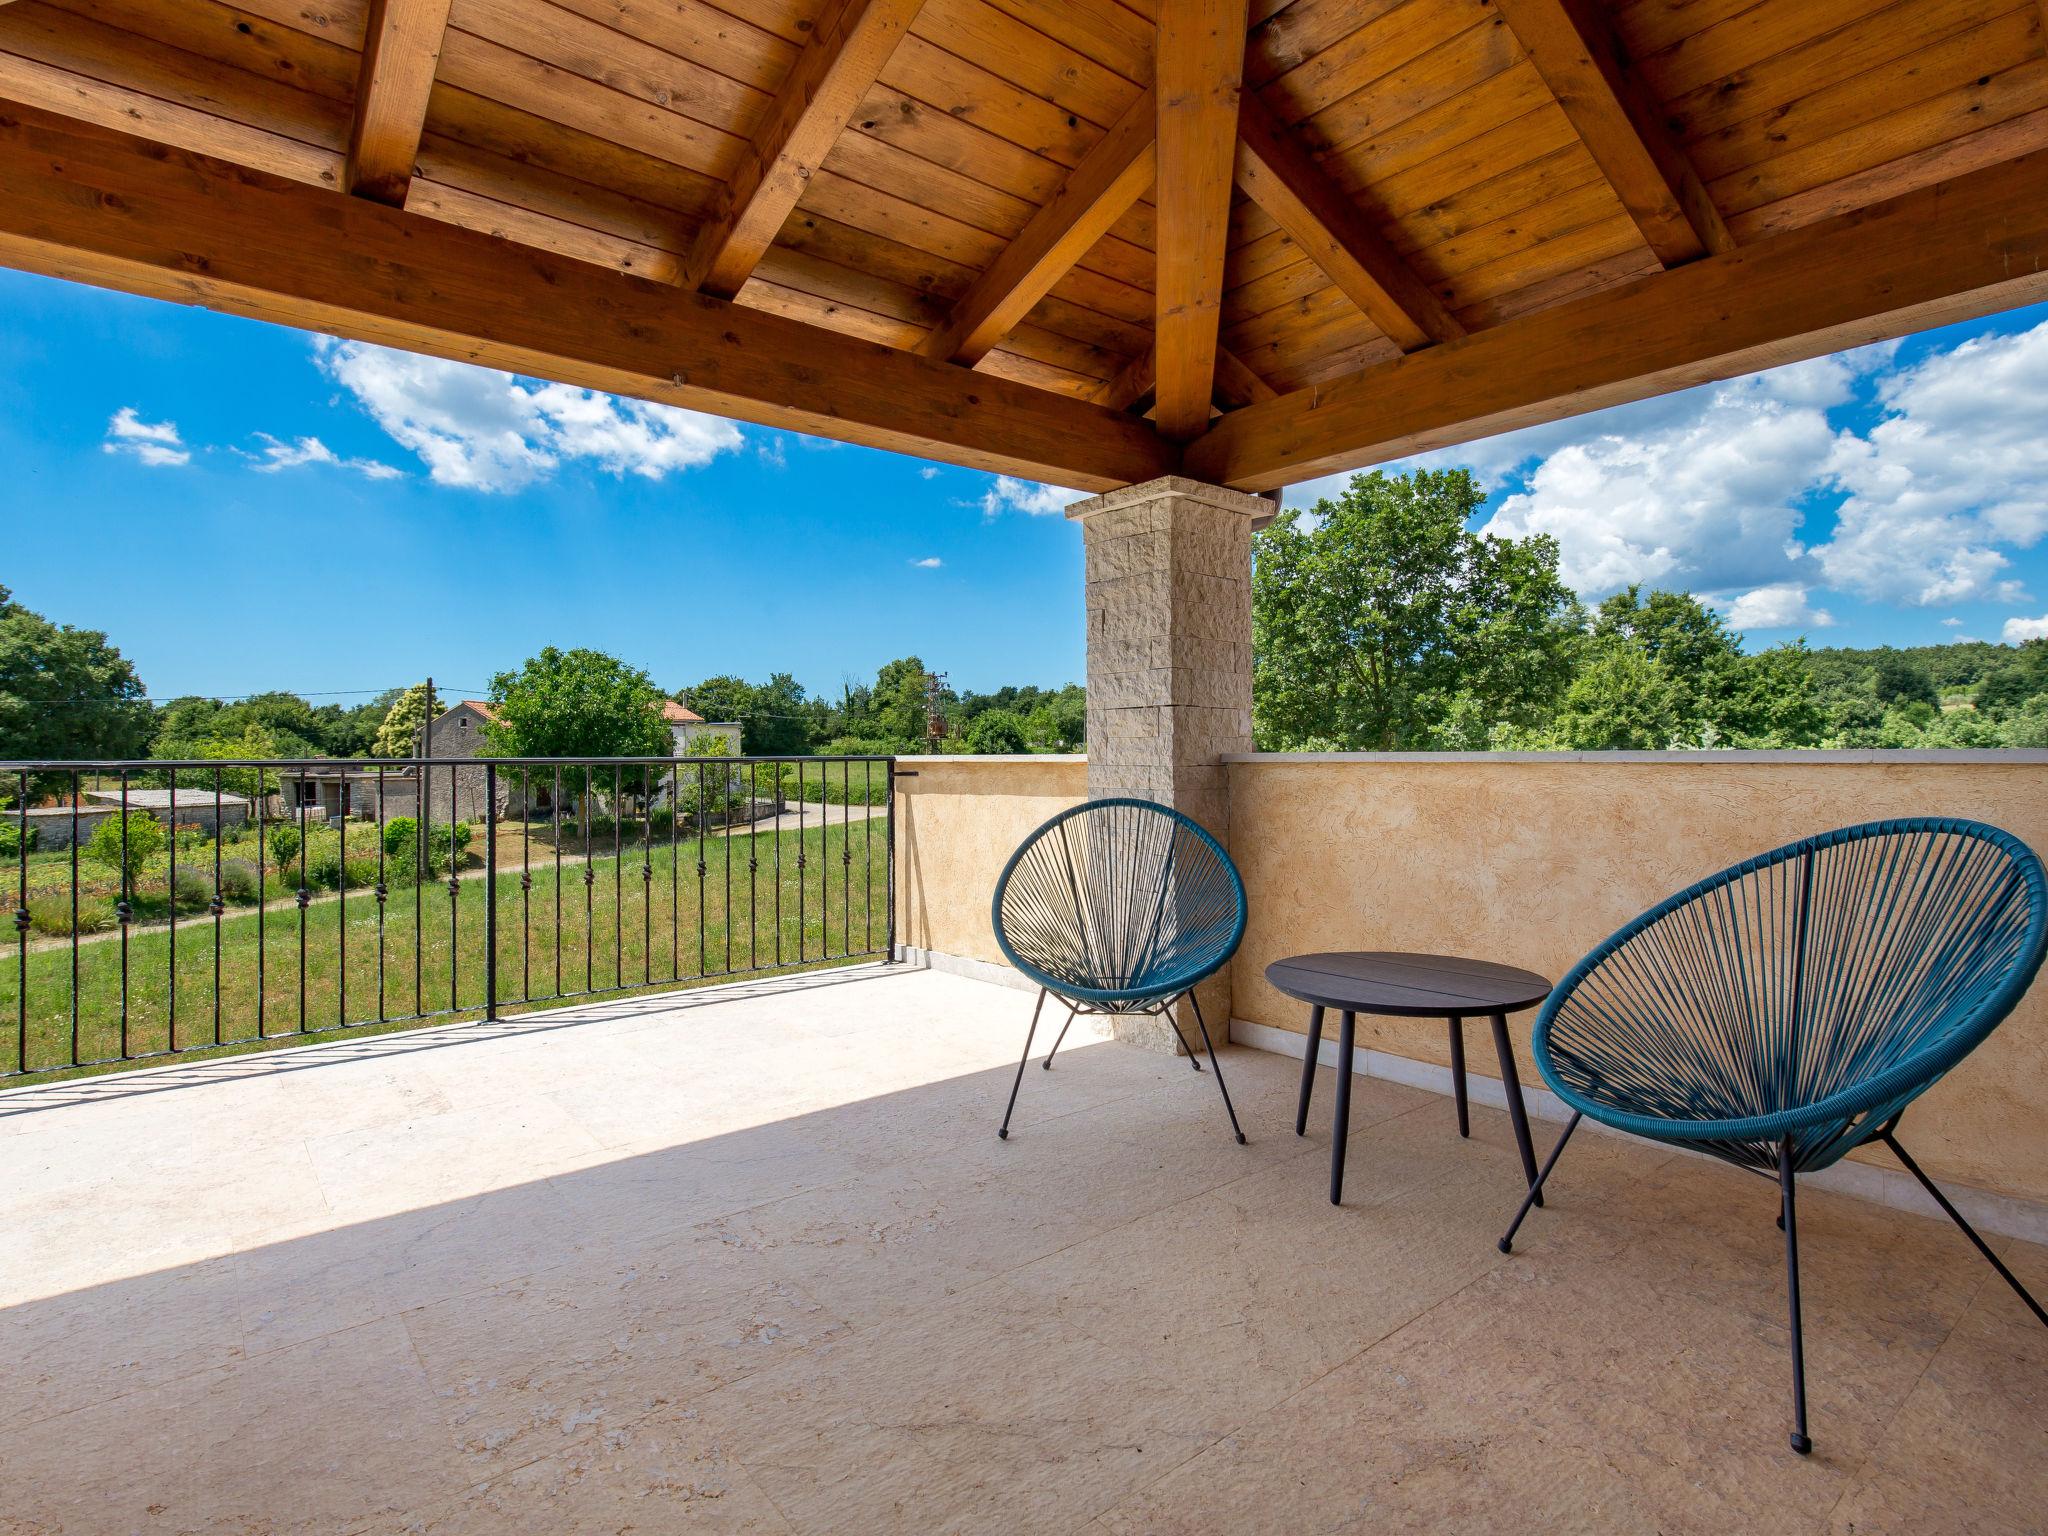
1083, 241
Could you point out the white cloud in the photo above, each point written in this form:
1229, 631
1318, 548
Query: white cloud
1010, 494
1958, 467
928, 563
303, 451
1953, 622
492, 431
155, 443
2018, 630
1704, 496
929, 472
1782, 605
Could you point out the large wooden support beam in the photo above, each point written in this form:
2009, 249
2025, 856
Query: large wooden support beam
1574, 48
1331, 230
102, 207
1966, 247
1096, 193
401, 50
847, 49
1199, 72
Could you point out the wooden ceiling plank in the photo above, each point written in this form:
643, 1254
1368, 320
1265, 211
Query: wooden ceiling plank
1336, 233
96, 206
401, 53
845, 54
1574, 47
1966, 247
1094, 196
1199, 72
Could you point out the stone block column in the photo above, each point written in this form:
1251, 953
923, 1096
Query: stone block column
1169, 610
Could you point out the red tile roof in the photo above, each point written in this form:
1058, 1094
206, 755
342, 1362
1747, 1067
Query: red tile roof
480, 707
677, 714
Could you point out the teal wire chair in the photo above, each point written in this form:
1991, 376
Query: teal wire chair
1119, 906
1789, 1009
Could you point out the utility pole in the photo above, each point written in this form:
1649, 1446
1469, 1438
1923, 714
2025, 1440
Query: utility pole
934, 722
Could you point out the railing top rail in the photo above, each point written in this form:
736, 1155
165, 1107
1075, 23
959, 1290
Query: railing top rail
165, 764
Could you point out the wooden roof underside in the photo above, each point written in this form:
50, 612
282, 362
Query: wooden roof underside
932, 225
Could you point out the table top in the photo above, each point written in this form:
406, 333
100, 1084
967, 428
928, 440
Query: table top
1386, 981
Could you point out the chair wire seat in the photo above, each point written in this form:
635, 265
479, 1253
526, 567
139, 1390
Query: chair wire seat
1119, 906
1789, 1009
1812, 992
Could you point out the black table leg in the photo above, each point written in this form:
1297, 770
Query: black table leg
1308, 1069
1346, 1024
1458, 1074
1511, 1080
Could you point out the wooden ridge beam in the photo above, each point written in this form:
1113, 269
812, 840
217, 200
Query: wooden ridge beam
847, 49
1574, 48
1096, 193
98, 206
401, 51
1335, 233
1969, 246
1199, 73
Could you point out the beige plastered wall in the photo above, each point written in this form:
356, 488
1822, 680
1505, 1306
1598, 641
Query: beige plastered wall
1532, 859
958, 820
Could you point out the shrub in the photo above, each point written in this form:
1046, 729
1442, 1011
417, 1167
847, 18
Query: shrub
51, 915
238, 881
284, 843
660, 822
362, 871
401, 834
10, 848
144, 841
323, 868
190, 891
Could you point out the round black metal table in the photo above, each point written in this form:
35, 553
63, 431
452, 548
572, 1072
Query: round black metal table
1408, 986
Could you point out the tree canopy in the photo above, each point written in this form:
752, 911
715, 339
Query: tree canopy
578, 703
65, 692
1381, 622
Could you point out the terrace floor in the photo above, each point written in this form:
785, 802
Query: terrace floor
754, 1260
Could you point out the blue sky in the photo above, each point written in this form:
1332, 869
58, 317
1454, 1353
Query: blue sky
245, 507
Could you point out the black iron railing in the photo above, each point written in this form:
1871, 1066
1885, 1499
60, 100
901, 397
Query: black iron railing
170, 907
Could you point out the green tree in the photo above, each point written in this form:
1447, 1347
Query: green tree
1899, 678
579, 703
1377, 613
65, 693
399, 735
1622, 700
995, 732
2022, 675
1719, 695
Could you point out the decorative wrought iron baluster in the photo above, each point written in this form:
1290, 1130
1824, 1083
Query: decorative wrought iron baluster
305, 901
124, 912
21, 923
646, 876
383, 893
219, 905
171, 902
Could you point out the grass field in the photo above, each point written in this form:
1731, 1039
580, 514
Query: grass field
646, 918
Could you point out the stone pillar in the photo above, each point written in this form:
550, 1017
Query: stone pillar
1169, 611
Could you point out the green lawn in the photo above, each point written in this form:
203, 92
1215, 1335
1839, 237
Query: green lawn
642, 920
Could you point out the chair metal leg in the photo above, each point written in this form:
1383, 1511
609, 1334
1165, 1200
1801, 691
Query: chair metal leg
1518, 1112
1308, 1069
1507, 1243
1228, 1107
1166, 1013
1458, 1075
1029, 1035
1073, 1013
1969, 1231
1800, 1442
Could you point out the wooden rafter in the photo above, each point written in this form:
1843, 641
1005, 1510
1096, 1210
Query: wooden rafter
97, 206
1334, 232
1969, 246
1236, 385
847, 49
1096, 193
401, 51
1133, 382
1574, 48
1199, 71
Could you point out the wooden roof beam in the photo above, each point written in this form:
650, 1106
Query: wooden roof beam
1573, 45
1969, 246
1096, 193
1335, 233
1199, 73
1236, 385
1133, 382
401, 51
97, 206
847, 49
